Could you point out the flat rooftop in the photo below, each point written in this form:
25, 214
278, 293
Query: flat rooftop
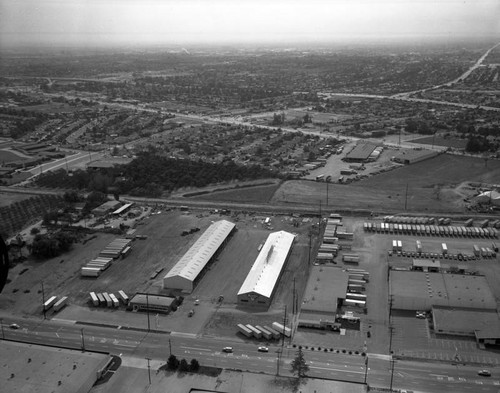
326, 284
36, 368
440, 289
361, 151
467, 321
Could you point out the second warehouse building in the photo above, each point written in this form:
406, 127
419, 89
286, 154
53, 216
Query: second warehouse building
259, 286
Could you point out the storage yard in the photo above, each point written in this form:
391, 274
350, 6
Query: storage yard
340, 288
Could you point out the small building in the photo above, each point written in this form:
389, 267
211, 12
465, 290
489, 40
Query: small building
412, 156
153, 303
426, 265
106, 208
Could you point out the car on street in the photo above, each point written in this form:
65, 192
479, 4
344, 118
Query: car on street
484, 373
14, 326
263, 349
420, 314
227, 349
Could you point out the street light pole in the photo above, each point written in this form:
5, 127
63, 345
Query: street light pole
3, 335
170, 346
366, 368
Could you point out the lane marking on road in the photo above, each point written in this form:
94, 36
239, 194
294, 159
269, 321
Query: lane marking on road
197, 349
335, 369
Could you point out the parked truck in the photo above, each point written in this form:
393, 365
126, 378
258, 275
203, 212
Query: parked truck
49, 303
282, 329
60, 303
255, 332
94, 299
109, 302
444, 248
418, 246
244, 330
114, 300
351, 258
275, 333
265, 333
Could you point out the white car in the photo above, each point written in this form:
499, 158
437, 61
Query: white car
14, 326
263, 349
420, 314
227, 349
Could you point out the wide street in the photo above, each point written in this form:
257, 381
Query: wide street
140, 344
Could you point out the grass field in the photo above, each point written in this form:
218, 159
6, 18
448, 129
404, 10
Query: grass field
439, 141
387, 191
7, 198
258, 194
8, 156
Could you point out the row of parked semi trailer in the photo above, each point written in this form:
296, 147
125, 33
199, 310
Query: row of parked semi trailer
106, 299
430, 230
272, 332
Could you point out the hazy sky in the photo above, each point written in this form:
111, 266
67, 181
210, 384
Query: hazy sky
95, 22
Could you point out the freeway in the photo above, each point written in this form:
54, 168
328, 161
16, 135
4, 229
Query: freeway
420, 376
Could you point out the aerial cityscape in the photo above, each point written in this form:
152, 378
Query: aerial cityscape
253, 196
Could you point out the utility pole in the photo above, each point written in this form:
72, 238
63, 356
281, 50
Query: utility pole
392, 372
309, 254
149, 371
284, 326
366, 367
170, 346
293, 301
326, 193
319, 220
147, 309
43, 302
3, 334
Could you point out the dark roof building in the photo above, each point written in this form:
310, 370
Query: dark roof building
361, 152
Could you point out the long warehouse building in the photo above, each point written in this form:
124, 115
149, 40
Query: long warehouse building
187, 271
259, 286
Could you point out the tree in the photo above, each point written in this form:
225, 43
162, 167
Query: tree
194, 365
172, 362
299, 365
183, 365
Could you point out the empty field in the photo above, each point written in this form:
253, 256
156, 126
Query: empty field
387, 191
439, 141
9, 156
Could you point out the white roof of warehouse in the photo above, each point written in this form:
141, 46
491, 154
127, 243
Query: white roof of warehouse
195, 259
267, 267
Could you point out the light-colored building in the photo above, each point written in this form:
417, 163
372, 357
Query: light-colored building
152, 303
187, 271
261, 282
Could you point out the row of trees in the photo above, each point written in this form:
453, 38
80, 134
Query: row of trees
299, 366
